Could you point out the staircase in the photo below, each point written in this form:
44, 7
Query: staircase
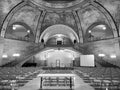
98, 61
25, 57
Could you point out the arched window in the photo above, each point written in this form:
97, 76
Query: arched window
98, 31
19, 31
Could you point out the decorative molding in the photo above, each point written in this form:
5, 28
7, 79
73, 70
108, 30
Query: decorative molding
80, 31
9, 16
108, 16
38, 32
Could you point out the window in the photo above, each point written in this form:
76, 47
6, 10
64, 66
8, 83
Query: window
59, 42
19, 31
98, 31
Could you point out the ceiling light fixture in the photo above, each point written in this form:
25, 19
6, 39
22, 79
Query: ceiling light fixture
14, 27
28, 31
89, 31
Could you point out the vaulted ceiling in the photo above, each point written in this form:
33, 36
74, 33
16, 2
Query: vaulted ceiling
93, 23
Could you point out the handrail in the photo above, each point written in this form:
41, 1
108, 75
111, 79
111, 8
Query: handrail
24, 57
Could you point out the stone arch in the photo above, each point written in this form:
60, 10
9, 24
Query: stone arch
48, 5
19, 31
14, 10
99, 28
56, 29
9, 16
108, 16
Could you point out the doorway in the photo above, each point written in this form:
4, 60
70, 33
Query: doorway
59, 42
57, 63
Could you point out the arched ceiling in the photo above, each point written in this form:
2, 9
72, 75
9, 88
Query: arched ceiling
83, 12
59, 30
58, 3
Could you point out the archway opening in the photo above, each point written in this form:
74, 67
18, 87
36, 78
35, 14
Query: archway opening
59, 31
98, 31
54, 57
20, 31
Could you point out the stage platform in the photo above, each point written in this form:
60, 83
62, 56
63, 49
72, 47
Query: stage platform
79, 84
57, 80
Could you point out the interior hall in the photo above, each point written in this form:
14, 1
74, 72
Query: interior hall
59, 45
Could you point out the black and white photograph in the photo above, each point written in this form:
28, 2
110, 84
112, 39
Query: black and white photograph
59, 45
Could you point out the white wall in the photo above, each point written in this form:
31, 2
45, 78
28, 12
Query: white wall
87, 60
63, 57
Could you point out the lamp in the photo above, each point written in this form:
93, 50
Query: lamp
113, 56
101, 55
4, 56
16, 55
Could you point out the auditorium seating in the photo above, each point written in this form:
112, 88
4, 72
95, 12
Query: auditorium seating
57, 68
101, 77
58, 71
16, 77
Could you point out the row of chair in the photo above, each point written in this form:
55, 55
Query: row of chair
57, 71
101, 77
17, 77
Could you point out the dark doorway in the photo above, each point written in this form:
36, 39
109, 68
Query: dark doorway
29, 65
59, 42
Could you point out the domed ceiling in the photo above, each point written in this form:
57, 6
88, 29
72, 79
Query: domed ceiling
58, 3
91, 20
